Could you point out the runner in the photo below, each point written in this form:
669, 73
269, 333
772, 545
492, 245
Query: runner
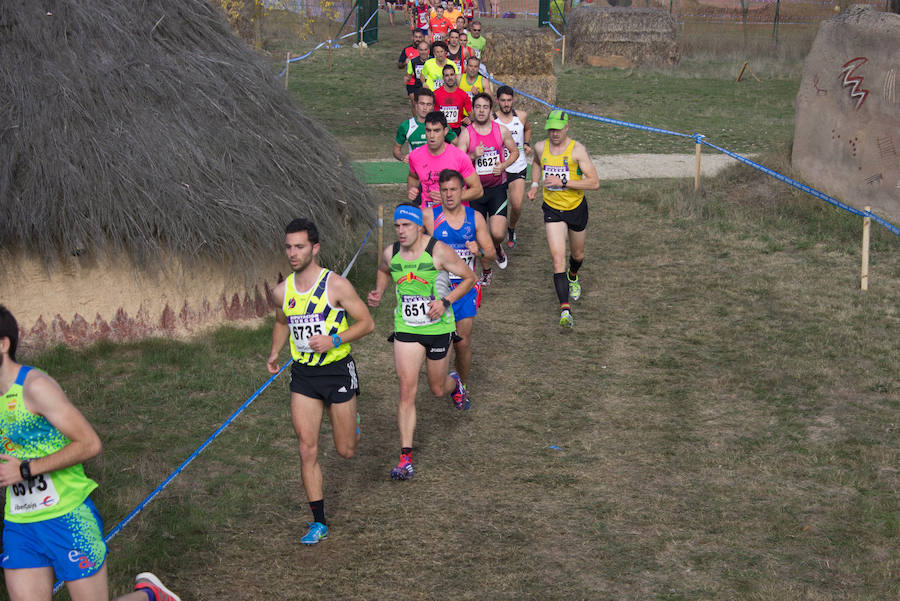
454, 49
452, 101
465, 231
412, 60
313, 306
453, 13
517, 123
439, 25
412, 131
432, 72
564, 170
472, 82
419, 14
423, 320
476, 40
469, 11
467, 51
427, 162
51, 527
485, 141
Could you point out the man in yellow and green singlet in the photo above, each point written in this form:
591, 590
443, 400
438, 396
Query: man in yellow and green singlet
564, 170
314, 303
424, 323
51, 528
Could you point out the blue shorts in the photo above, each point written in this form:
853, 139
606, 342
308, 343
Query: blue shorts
71, 544
465, 307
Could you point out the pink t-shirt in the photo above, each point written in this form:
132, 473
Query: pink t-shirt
493, 155
427, 167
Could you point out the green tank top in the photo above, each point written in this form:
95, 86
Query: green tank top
415, 281
26, 435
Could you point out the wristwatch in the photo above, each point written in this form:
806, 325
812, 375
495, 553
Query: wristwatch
336, 340
25, 469
446, 303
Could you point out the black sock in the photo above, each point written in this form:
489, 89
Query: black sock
318, 511
406, 451
574, 266
562, 287
510, 232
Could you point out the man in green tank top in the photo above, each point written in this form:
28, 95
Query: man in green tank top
423, 318
313, 304
51, 528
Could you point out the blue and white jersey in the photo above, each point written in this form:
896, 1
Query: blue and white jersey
454, 238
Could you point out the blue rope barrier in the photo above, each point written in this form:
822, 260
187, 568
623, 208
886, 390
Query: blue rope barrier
353, 260
701, 139
327, 43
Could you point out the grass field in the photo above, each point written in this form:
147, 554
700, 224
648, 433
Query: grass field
722, 423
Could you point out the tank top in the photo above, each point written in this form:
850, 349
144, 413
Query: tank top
309, 314
456, 239
517, 129
561, 165
471, 90
26, 435
415, 284
493, 147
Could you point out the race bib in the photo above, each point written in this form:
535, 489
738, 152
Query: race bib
33, 494
560, 172
304, 327
466, 255
419, 71
451, 112
415, 310
484, 165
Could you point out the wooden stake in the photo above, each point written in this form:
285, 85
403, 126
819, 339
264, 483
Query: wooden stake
741, 74
563, 50
864, 275
287, 69
697, 175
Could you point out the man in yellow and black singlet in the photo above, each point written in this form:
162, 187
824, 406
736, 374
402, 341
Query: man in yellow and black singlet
313, 306
424, 322
562, 167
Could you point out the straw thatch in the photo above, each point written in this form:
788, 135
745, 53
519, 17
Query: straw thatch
620, 36
147, 129
542, 86
519, 52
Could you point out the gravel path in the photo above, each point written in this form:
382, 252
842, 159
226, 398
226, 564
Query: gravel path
638, 166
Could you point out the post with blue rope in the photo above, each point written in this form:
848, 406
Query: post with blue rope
379, 235
287, 68
698, 145
864, 275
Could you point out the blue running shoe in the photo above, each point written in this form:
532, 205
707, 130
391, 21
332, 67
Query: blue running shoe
459, 396
317, 531
404, 469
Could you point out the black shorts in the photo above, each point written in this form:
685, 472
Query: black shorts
411, 88
333, 383
517, 175
492, 203
576, 219
436, 345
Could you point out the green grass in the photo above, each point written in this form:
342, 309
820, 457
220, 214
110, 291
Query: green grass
725, 413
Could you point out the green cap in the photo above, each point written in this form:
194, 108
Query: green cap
556, 120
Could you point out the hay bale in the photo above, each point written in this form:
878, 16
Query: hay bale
542, 86
638, 35
519, 52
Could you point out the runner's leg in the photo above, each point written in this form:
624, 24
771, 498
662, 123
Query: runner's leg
464, 348
408, 359
306, 417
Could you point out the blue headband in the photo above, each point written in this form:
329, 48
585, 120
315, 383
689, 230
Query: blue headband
414, 214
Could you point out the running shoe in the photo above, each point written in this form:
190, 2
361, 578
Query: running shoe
565, 319
147, 581
317, 531
502, 259
459, 396
574, 288
511, 239
404, 469
486, 278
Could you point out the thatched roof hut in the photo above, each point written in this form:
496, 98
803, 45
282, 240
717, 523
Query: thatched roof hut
145, 136
621, 37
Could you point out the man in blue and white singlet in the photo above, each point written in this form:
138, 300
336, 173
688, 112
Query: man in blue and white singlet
314, 303
465, 230
51, 528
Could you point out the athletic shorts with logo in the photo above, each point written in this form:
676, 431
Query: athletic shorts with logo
467, 305
576, 219
492, 203
436, 345
333, 383
512, 176
71, 544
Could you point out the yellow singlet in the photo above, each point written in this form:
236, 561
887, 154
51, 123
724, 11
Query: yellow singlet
309, 314
567, 169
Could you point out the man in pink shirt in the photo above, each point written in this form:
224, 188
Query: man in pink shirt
427, 162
